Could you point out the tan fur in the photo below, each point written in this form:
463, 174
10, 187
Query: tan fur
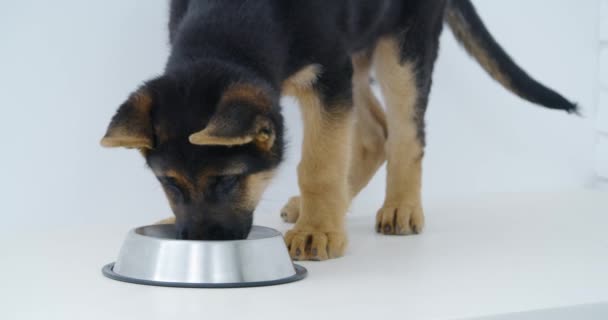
261, 135
255, 186
322, 175
205, 138
236, 168
291, 210
122, 136
369, 136
142, 101
402, 209
472, 46
180, 179
265, 141
167, 221
261, 132
248, 93
301, 81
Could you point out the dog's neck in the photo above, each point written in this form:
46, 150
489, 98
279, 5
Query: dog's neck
216, 37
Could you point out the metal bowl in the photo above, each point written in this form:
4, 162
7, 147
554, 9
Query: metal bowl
151, 255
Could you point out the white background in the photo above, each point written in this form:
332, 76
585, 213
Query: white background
67, 65
601, 161
512, 224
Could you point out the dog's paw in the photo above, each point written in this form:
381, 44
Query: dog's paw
291, 211
315, 245
167, 221
401, 220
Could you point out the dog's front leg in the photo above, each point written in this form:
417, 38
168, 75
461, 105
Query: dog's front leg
368, 152
319, 233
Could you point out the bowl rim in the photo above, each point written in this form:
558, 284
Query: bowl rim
301, 273
134, 231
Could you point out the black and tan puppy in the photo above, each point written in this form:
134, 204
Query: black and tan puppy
210, 127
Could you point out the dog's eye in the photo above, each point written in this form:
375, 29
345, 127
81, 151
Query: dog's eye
224, 184
172, 189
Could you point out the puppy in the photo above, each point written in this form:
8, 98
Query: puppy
210, 128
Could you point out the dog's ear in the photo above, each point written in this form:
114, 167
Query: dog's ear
242, 117
234, 125
131, 126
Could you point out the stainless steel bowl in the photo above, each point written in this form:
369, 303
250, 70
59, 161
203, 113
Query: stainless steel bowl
151, 255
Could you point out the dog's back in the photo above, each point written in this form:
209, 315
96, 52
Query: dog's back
313, 28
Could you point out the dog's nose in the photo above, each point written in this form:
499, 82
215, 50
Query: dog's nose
209, 233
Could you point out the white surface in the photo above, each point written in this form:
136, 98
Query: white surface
68, 64
480, 256
586, 312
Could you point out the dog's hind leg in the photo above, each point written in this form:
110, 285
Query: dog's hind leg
369, 136
404, 68
402, 210
368, 151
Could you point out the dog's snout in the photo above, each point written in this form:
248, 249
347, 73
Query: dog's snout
211, 232
210, 225
182, 233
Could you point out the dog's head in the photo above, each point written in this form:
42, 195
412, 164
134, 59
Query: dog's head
212, 143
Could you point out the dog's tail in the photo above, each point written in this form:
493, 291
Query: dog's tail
471, 32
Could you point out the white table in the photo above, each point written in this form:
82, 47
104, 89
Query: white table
485, 256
